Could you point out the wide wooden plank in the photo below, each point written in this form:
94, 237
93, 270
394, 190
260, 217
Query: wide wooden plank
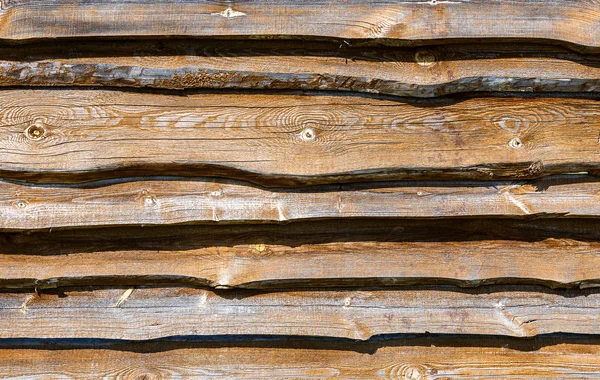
163, 202
79, 135
417, 358
572, 21
433, 71
466, 252
146, 313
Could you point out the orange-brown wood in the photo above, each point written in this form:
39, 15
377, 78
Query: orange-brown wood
412, 21
415, 358
290, 140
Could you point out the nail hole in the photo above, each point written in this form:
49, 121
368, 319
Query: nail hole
515, 143
21, 204
35, 132
308, 134
149, 201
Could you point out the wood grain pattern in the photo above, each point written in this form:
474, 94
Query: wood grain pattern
411, 21
421, 72
350, 253
287, 140
142, 314
415, 358
162, 202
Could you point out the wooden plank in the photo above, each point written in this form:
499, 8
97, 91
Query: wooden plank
410, 21
163, 202
287, 140
145, 313
434, 71
395, 359
551, 252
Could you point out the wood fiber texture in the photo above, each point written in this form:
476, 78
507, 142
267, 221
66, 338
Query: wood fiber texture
412, 21
291, 140
162, 202
280, 189
486, 358
189, 64
333, 253
152, 313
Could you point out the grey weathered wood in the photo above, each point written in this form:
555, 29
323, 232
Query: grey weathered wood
162, 202
141, 314
421, 72
465, 252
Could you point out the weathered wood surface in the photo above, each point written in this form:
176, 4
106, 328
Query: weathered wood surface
145, 313
551, 252
408, 21
163, 202
79, 135
416, 358
420, 72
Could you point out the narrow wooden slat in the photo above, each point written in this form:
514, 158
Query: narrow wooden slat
552, 252
413, 21
79, 135
434, 71
398, 359
162, 202
141, 314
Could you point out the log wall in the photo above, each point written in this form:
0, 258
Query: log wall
278, 189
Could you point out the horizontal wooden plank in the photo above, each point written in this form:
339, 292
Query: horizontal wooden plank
395, 359
412, 21
162, 202
287, 140
434, 71
466, 252
145, 313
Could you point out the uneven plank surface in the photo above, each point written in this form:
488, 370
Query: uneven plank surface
416, 358
141, 314
574, 21
554, 252
78, 135
434, 71
160, 202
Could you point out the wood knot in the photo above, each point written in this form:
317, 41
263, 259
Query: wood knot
149, 201
515, 143
425, 58
308, 134
35, 131
406, 372
21, 204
